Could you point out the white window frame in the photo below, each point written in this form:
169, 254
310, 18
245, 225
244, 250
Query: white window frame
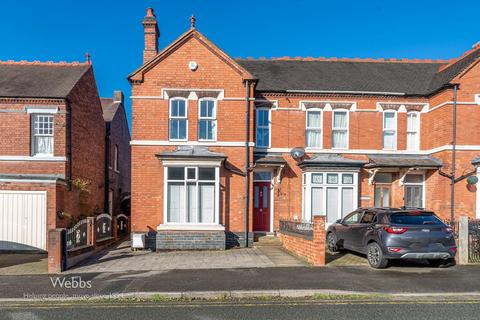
33, 135
269, 127
213, 118
318, 129
417, 131
347, 129
216, 215
307, 192
422, 184
170, 117
395, 130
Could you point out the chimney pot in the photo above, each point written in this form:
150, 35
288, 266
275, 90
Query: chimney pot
150, 12
118, 96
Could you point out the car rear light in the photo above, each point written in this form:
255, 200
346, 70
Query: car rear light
395, 230
394, 249
453, 249
448, 230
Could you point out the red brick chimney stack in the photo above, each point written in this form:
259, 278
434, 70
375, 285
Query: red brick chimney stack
151, 34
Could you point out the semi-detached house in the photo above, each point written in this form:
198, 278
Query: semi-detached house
224, 147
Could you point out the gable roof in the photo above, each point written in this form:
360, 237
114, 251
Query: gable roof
109, 108
357, 76
137, 75
39, 80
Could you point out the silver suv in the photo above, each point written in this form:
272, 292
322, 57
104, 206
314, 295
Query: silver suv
394, 233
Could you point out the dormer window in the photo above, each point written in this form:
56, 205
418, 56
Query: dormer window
178, 122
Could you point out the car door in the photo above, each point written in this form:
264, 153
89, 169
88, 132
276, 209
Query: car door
347, 228
365, 228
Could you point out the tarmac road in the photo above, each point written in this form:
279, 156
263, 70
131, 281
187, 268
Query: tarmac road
279, 310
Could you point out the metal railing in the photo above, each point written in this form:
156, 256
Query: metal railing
302, 228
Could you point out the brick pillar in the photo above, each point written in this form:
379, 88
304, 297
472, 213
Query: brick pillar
55, 250
114, 227
319, 240
91, 231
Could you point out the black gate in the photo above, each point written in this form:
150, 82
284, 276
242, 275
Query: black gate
474, 241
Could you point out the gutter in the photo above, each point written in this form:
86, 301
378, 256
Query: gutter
348, 92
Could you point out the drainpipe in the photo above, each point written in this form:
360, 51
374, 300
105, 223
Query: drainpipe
454, 149
69, 143
247, 159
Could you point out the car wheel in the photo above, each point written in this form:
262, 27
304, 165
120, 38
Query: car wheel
375, 256
332, 242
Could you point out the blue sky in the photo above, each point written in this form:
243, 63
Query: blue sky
112, 33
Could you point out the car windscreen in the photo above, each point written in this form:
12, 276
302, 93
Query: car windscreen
415, 219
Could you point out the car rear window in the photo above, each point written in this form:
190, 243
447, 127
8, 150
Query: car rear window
412, 219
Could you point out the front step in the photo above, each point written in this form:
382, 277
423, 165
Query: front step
266, 239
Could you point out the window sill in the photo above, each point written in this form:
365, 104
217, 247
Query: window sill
192, 227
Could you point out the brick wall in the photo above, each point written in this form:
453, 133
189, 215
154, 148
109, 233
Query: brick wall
120, 181
313, 250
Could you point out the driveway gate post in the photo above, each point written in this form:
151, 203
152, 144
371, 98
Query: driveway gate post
463, 240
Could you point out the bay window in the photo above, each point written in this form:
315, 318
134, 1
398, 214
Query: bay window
314, 129
390, 130
340, 129
333, 194
262, 128
42, 134
207, 121
192, 195
413, 131
178, 122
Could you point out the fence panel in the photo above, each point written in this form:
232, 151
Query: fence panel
122, 224
79, 236
103, 227
474, 241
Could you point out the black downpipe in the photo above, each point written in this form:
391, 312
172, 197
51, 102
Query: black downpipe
454, 150
106, 167
247, 159
69, 141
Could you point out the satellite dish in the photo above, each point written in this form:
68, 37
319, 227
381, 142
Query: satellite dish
297, 153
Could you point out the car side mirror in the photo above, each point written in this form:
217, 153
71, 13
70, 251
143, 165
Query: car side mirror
338, 221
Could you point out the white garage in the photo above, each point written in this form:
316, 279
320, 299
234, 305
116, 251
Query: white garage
23, 220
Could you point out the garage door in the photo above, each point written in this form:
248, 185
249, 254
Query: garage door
23, 220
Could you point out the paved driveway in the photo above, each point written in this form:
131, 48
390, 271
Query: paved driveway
122, 258
23, 263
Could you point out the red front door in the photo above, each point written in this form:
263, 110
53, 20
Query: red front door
261, 206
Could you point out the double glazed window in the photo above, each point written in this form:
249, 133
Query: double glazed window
390, 130
42, 134
314, 129
178, 122
340, 129
191, 194
262, 128
332, 194
207, 121
413, 128
413, 190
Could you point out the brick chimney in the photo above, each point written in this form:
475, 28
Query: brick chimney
151, 34
118, 96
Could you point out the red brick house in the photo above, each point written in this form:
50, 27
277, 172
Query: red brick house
213, 139
117, 155
52, 150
